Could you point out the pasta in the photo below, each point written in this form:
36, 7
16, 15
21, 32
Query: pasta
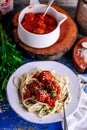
42, 92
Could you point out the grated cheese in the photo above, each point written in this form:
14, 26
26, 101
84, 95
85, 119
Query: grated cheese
84, 54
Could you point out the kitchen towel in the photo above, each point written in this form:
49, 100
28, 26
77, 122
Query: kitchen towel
78, 120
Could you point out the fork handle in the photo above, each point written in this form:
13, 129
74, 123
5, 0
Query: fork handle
65, 120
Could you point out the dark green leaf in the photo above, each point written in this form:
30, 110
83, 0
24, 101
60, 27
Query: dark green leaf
10, 59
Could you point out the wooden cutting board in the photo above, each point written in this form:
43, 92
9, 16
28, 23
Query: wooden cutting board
67, 39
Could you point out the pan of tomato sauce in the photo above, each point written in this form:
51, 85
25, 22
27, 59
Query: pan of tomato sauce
38, 24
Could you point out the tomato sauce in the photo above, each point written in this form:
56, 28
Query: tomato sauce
46, 90
39, 24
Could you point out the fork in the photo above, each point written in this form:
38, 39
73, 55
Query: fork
65, 120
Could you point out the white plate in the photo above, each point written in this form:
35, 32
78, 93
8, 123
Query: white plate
12, 92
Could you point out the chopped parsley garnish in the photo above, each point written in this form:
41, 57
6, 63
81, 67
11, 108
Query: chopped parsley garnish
54, 94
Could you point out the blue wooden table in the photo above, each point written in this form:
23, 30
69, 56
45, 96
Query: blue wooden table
9, 120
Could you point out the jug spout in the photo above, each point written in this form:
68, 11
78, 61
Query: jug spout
34, 2
62, 19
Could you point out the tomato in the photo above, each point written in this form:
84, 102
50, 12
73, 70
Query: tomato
45, 76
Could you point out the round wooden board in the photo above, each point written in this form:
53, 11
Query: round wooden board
67, 38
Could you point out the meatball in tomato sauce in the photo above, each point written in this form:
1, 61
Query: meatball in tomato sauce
39, 24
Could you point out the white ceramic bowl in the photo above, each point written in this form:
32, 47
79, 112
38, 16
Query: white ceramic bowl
40, 40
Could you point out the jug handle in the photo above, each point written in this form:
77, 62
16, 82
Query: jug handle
34, 2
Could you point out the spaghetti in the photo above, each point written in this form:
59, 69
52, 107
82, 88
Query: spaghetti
42, 92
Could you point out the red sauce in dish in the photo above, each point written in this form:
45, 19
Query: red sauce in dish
45, 90
38, 24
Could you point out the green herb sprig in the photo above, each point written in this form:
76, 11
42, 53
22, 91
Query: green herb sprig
10, 60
